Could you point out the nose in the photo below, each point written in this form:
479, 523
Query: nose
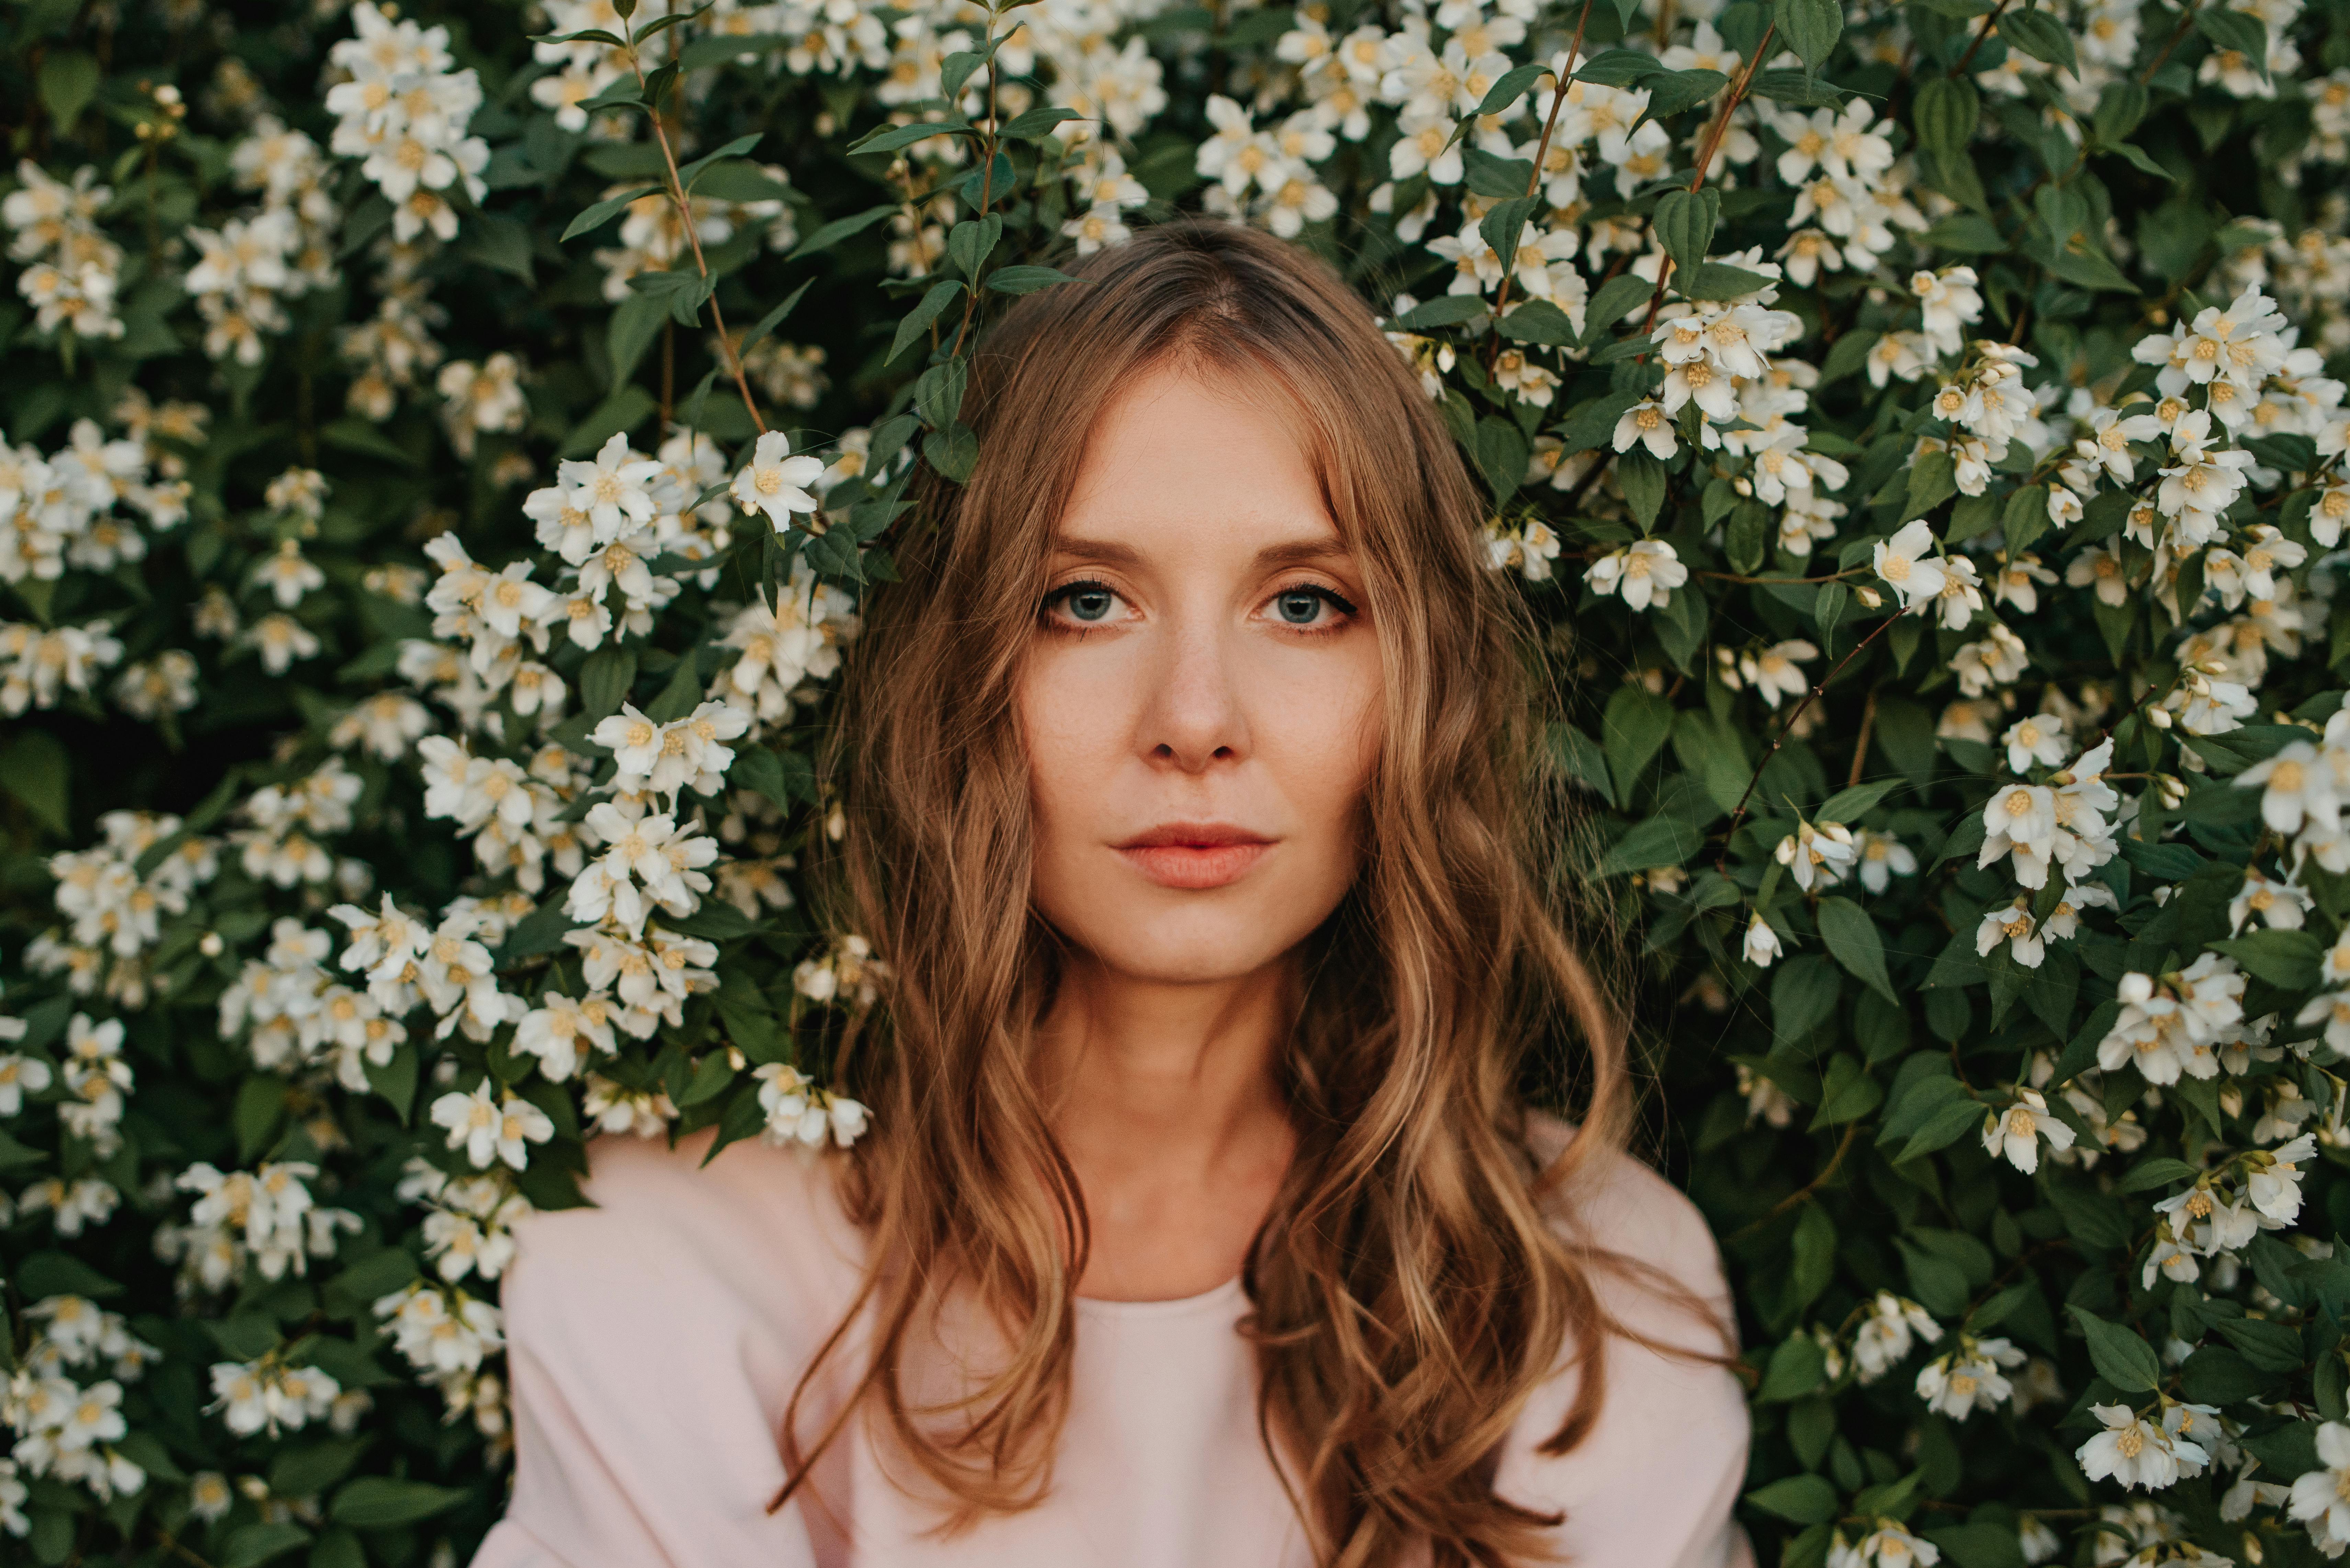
1193, 717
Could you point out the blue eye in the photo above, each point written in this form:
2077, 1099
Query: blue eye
1084, 601
1300, 605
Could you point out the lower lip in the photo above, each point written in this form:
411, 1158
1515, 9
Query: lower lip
1194, 866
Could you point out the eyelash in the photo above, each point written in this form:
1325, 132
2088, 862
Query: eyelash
1328, 596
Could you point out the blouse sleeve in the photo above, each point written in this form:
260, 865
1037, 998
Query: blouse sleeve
1653, 1484
636, 1364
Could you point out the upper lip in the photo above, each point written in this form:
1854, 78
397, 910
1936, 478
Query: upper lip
1193, 834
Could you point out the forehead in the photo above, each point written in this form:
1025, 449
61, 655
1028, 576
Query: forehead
1194, 458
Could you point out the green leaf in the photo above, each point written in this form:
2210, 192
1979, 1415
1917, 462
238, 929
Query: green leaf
1538, 321
36, 770
2286, 959
839, 229
1798, 88
605, 682
1804, 1500
1444, 310
1811, 27
734, 148
1797, 1366
2237, 32
605, 211
1852, 937
1932, 481
1515, 83
1506, 224
1633, 729
970, 242
1659, 841
2120, 1357
1847, 1092
2042, 36
312, 1468
636, 323
953, 451
1036, 124
379, 1502
251, 1545
1641, 476
69, 80
1947, 113
1027, 279
1719, 280
2158, 1170
260, 1112
1684, 223
898, 138
58, 1274
1849, 805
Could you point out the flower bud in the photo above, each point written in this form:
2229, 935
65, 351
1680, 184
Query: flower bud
1868, 596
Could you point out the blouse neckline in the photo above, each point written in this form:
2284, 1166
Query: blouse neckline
1229, 1294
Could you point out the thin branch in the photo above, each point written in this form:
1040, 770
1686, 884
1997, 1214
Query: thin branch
2186, 20
1981, 33
1860, 747
1801, 1194
1533, 182
1780, 739
685, 220
1711, 145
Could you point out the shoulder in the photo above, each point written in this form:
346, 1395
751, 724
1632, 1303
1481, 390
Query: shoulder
1622, 1206
666, 1237
1656, 1479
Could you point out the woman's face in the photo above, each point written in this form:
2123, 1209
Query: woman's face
1201, 704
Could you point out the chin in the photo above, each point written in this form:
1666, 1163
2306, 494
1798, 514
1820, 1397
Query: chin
1184, 951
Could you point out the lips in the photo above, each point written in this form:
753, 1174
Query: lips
1194, 854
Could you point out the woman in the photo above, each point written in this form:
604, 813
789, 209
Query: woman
1189, 792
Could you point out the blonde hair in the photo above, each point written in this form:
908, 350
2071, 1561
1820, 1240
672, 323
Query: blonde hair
1411, 1286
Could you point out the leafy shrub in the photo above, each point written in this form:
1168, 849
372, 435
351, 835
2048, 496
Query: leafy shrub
446, 453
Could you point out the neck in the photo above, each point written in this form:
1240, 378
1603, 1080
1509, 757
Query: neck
1165, 1099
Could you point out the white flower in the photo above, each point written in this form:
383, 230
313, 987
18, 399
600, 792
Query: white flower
2273, 1179
2015, 1132
1647, 422
1884, 1336
1645, 573
800, 1111
1884, 857
2297, 785
2281, 906
1956, 1384
2021, 819
489, 1131
1818, 854
1774, 672
1886, 1546
613, 490
1762, 945
775, 482
1908, 566
2320, 1500
2130, 1452
2035, 738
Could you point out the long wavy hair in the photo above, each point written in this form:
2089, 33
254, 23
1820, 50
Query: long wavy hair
1413, 1284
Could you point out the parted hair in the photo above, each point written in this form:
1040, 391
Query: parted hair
1418, 1276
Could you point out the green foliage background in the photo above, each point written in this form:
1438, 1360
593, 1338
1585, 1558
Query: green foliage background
226, 620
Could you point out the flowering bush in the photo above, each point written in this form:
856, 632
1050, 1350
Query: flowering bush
445, 455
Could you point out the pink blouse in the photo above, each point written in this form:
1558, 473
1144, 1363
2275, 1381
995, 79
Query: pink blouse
654, 1340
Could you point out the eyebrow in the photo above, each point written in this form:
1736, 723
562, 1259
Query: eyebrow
1290, 553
